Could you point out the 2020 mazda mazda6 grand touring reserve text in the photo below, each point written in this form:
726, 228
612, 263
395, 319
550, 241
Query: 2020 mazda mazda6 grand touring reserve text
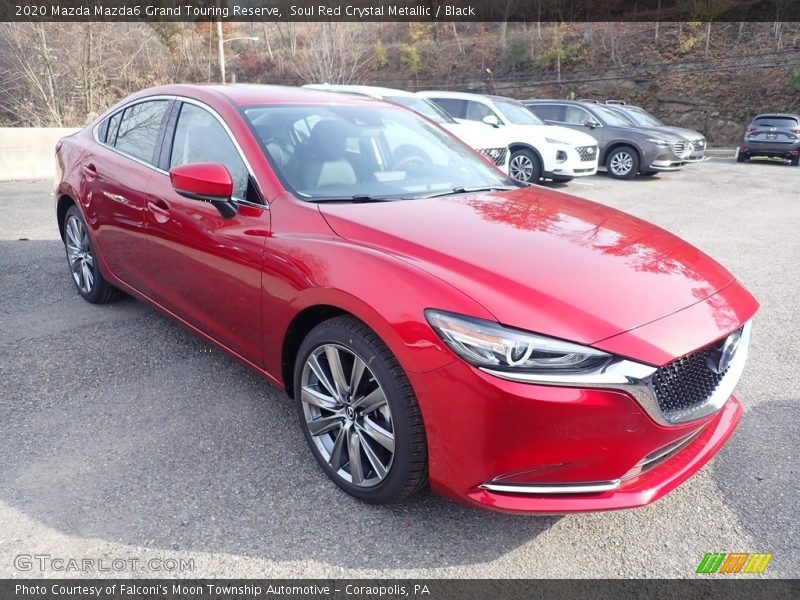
435, 322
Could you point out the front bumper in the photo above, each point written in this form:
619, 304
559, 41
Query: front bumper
571, 161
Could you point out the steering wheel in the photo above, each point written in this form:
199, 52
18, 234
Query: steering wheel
410, 157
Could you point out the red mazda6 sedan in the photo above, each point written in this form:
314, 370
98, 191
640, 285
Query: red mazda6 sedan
435, 322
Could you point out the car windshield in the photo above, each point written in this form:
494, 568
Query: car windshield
629, 118
362, 153
423, 107
610, 117
643, 118
516, 113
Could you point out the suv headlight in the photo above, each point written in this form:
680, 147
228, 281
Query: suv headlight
659, 142
490, 345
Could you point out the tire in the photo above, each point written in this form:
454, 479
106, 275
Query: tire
623, 163
379, 423
795, 160
82, 259
741, 157
525, 166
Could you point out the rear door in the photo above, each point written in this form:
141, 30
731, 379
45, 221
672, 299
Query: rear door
206, 269
116, 175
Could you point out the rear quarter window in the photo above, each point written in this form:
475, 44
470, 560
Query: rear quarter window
139, 129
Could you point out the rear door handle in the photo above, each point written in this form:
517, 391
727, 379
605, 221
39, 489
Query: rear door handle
89, 170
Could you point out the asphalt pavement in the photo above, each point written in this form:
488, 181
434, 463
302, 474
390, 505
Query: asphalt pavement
123, 436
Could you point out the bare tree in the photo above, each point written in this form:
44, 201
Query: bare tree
334, 52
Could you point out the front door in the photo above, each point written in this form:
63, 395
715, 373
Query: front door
206, 269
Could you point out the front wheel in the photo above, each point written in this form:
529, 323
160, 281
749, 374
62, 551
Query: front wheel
525, 166
358, 412
623, 163
83, 262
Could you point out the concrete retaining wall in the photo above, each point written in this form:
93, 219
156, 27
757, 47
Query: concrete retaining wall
29, 152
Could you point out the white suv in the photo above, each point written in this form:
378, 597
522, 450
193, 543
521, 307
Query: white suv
538, 150
478, 136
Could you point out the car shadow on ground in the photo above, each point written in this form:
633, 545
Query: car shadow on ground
120, 425
749, 456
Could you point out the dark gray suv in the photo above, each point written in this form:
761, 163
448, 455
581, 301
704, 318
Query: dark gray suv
624, 150
773, 135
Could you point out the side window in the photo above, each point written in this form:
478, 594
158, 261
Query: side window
575, 115
548, 112
477, 111
199, 137
452, 106
112, 127
139, 129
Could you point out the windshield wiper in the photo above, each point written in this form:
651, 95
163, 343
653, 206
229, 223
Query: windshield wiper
355, 199
466, 190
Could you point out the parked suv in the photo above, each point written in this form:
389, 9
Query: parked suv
773, 135
624, 150
479, 136
644, 120
537, 150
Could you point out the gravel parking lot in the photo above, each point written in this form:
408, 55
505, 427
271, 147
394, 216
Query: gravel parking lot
123, 436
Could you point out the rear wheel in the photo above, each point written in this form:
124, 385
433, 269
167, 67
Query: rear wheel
358, 412
741, 156
525, 166
795, 161
83, 262
623, 163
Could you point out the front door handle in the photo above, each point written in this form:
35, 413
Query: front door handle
159, 208
89, 170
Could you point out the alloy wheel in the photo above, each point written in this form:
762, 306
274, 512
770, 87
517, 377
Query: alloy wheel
347, 415
621, 163
79, 254
521, 168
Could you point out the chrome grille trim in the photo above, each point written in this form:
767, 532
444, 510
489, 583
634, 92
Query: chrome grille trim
587, 153
498, 155
637, 380
682, 149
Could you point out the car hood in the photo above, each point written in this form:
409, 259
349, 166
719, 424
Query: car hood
476, 135
540, 260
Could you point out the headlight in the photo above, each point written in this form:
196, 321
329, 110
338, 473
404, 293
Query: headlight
488, 344
659, 142
557, 142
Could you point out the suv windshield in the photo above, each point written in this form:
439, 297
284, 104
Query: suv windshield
641, 117
423, 107
365, 152
610, 117
516, 113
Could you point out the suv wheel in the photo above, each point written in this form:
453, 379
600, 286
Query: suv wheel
795, 161
358, 412
623, 163
525, 166
741, 156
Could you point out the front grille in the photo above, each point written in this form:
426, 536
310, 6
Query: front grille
587, 152
498, 155
699, 144
687, 382
681, 149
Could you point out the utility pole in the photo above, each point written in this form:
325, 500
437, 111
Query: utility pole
220, 52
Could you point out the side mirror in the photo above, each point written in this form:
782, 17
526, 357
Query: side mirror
591, 123
491, 120
209, 182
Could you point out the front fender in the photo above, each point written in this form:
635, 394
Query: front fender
383, 291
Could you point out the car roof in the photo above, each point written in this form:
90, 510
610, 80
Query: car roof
466, 95
779, 115
368, 90
246, 94
558, 100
